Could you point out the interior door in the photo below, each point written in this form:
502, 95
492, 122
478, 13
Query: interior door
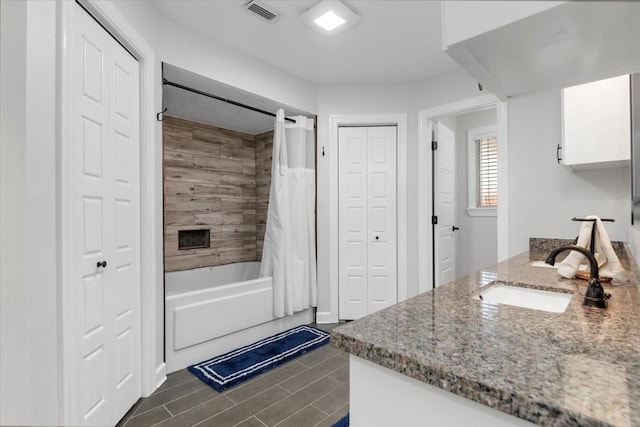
367, 220
106, 210
445, 197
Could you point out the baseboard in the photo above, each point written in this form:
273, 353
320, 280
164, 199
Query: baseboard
324, 317
161, 374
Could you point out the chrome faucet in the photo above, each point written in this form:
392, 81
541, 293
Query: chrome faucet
595, 297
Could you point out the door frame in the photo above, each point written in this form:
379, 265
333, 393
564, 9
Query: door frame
335, 121
153, 369
426, 118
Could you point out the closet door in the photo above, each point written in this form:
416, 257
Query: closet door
352, 223
105, 197
367, 220
381, 201
124, 148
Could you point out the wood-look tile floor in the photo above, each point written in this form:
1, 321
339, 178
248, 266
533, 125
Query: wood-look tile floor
312, 390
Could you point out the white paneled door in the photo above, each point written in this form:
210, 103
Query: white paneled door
105, 197
445, 184
367, 220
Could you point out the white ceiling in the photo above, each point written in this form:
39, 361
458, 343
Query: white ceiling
396, 41
199, 108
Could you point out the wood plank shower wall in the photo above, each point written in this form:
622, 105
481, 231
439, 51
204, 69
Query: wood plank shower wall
264, 148
210, 182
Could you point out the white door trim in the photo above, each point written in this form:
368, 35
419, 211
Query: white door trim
426, 118
152, 370
335, 121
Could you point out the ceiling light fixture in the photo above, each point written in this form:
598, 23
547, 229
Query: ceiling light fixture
330, 17
329, 21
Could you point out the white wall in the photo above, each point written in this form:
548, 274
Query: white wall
29, 176
186, 48
180, 46
200, 54
446, 88
477, 239
196, 52
378, 99
451, 122
30, 386
30, 368
355, 99
544, 196
13, 334
437, 91
145, 18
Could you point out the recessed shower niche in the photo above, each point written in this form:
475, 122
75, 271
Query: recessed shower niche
193, 239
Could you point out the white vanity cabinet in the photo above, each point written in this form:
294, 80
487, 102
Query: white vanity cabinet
596, 124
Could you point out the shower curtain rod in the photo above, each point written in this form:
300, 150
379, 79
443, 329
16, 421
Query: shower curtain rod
228, 101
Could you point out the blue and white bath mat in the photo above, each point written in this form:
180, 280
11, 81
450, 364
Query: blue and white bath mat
342, 422
246, 362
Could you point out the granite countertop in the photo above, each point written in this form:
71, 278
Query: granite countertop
580, 367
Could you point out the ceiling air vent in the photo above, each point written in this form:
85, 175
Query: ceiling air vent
263, 10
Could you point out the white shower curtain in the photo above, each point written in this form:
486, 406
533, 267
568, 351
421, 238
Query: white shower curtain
289, 253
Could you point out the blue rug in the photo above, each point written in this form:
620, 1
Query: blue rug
342, 422
246, 362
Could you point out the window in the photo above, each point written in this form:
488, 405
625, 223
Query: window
482, 159
487, 156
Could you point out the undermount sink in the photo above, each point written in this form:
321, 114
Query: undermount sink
537, 299
540, 264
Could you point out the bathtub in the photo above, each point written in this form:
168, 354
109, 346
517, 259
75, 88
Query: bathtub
212, 310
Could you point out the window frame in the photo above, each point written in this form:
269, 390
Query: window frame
473, 134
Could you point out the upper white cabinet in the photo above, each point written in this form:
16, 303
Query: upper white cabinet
514, 47
596, 124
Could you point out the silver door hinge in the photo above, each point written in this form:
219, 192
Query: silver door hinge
434, 220
434, 145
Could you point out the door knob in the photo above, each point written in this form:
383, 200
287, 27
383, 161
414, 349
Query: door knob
454, 228
377, 237
102, 264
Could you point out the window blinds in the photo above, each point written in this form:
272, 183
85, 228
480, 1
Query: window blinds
487, 149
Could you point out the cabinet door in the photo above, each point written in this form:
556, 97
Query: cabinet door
596, 124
